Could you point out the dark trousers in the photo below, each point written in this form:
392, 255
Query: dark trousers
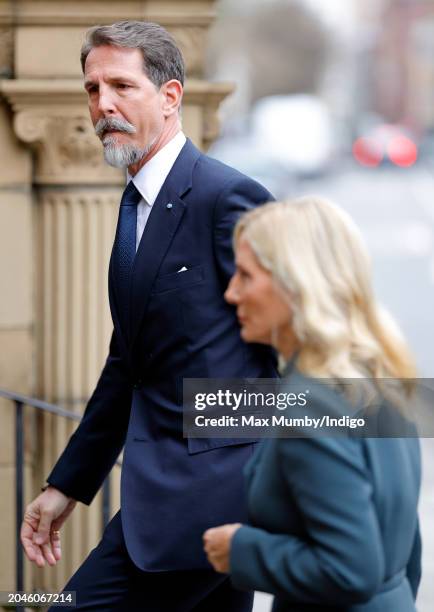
109, 581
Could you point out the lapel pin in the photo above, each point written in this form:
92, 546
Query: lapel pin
169, 205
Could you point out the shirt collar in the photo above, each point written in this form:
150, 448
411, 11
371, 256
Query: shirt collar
150, 178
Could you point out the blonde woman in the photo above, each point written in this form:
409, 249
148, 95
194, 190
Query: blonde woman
333, 519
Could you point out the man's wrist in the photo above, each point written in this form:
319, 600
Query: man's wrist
49, 485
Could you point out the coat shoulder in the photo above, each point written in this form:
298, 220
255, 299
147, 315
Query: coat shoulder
218, 176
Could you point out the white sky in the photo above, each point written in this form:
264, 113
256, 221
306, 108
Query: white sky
337, 13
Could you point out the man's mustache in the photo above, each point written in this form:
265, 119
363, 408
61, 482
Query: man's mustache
113, 124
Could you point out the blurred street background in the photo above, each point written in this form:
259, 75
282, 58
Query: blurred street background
336, 98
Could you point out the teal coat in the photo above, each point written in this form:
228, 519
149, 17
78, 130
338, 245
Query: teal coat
333, 522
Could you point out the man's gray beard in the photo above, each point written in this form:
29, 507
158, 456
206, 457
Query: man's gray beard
122, 156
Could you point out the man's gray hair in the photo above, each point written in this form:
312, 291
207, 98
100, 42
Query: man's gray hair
163, 60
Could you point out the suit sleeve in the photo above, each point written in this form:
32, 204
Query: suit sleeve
95, 445
238, 196
339, 559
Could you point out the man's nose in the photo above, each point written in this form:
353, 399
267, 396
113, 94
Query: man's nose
106, 104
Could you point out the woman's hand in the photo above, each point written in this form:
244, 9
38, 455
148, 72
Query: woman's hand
217, 545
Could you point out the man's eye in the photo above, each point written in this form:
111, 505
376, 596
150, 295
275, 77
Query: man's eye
123, 86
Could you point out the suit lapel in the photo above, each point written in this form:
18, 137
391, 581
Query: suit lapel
165, 217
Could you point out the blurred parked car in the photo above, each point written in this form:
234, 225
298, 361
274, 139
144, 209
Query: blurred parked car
285, 138
386, 144
298, 131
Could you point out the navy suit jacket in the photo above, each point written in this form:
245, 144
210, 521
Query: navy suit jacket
172, 488
333, 520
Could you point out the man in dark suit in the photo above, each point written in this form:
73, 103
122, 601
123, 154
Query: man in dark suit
171, 262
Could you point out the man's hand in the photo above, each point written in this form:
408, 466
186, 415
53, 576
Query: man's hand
43, 518
217, 544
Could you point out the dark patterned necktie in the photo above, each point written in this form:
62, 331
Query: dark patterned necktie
124, 250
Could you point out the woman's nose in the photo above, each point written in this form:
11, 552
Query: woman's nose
230, 293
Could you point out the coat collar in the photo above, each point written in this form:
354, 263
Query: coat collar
150, 178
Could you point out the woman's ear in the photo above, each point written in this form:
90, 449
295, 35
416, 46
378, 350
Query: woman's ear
172, 95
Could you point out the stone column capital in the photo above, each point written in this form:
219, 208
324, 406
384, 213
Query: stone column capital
52, 117
208, 97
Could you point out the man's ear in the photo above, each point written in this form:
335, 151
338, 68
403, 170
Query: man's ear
172, 95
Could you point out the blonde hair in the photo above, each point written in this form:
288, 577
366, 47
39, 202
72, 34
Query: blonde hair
316, 254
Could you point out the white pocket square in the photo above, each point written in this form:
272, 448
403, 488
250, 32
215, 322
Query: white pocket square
183, 269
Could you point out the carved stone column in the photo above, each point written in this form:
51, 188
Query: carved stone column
75, 201
76, 197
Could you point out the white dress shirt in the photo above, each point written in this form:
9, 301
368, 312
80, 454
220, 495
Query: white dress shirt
150, 178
